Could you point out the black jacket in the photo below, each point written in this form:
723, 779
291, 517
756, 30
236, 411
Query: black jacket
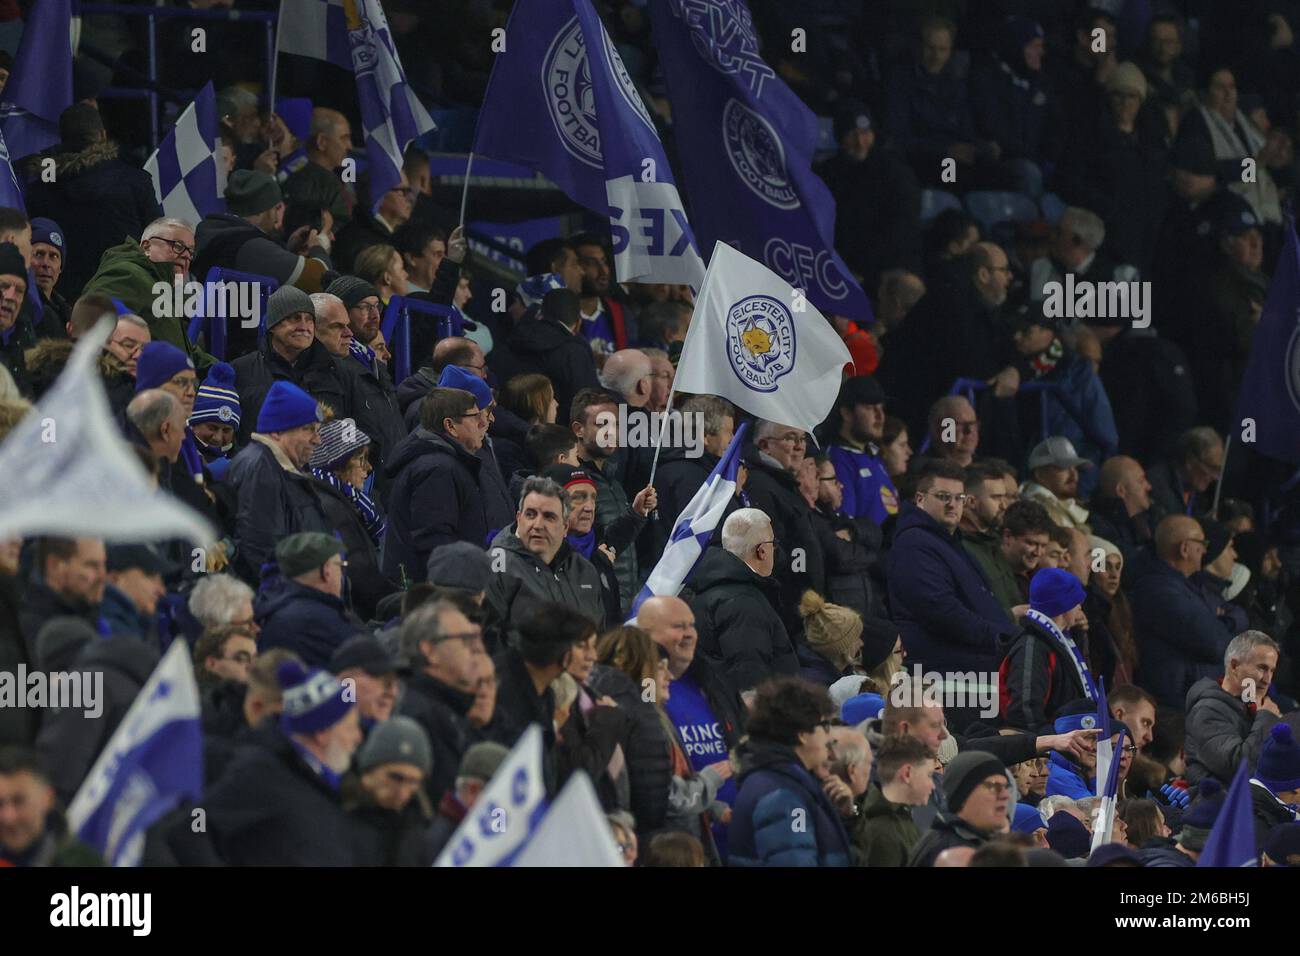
1109, 519
17, 724
1269, 812
519, 705
37, 604
514, 593
12, 354
411, 391
434, 499
740, 632
947, 831
367, 585
315, 371
677, 480
546, 346
1222, 731
374, 406
645, 748
1037, 678
775, 492
387, 837
308, 622
853, 575
440, 709
271, 809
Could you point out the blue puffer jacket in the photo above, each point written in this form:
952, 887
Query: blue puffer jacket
1067, 779
781, 816
1079, 409
940, 599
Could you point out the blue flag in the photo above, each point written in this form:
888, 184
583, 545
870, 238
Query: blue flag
745, 146
561, 102
189, 177
354, 34
695, 526
153, 760
40, 87
11, 193
1270, 390
1232, 841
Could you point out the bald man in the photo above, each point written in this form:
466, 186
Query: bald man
1121, 508
317, 183
1183, 636
629, 373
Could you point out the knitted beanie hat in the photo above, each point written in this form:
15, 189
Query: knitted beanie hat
217, 400
831, 630
313, 699
1279, 760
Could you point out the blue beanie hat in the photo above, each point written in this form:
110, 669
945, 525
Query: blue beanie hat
1279, 760
1205, 806
313, 699
1053, 591
1026, 818
49, 232
158, 363
287, 406
1067, 836
862, 707
453, 376
1077, 715
217, 400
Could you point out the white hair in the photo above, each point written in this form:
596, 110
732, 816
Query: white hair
321, 299
132, 319
1087, 225
158, 225
1239, 647
215, 599
1048, 806
624, 369
745, 530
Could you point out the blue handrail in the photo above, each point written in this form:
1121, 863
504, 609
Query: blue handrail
397, 319
216, 331
967, 387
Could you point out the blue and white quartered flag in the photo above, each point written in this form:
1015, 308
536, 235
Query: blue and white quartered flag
1269, 400
745, 148
40, 85
69, 472
507, 811
354, 35
1104, 827
574, 831
153, 761
1104, 748
561, 102
189, 177
759, 343
695, 526
1232, 841
11, 193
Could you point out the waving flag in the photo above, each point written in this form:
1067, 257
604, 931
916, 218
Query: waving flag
694, 527
1104, 828
746, 345
1270, 390
506, 812
745, 150
189, 177
40, 87
69, 472
153, 761
1104, 748
11, 194
560, 101
574, 831
1232, 841
354, 35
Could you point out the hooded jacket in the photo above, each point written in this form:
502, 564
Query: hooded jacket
433, 499
947, 831
1221, 731
546, 346
440, 709
940, 600
774, 789
1036, 679
525, 582
97, 198
308, 622
315, 371
740, 633
775, 491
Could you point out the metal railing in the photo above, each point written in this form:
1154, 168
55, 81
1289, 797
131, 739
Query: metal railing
397, 328
215, 339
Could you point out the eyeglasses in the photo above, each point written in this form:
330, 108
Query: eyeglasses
176, 246
407, 191
474, 635
761, 543
794, 439
1201, 541
367, 308
832, 478
187, 382
994, 787
1130, 749
947, 497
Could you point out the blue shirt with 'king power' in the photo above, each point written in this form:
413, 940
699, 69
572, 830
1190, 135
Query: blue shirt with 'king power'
703, 739
868, 490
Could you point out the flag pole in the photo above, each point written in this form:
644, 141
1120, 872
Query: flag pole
275, 61
1218, 485
464, 195
659, 439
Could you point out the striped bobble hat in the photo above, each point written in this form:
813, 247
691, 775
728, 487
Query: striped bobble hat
340, 439
313, 698
217, 400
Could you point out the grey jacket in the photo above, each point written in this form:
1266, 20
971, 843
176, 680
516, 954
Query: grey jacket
1221, 731
526, 582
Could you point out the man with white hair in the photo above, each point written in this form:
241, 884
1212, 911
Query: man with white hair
629, 373
1229, 718
221, 600
1073, 250
734, 601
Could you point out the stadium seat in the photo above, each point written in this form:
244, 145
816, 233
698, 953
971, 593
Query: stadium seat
989, 208
935, 201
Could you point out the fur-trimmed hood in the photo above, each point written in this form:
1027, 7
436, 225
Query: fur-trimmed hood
72, 163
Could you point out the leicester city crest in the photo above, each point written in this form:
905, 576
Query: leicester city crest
757, 155
760, 341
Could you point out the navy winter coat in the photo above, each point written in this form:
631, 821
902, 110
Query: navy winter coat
940, 599
308, 622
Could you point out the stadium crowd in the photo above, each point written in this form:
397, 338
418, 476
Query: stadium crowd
460, 550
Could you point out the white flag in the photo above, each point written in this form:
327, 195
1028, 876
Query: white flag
574, 832
758, 342
506, 812
68, 470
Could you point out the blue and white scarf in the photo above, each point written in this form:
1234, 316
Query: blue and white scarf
1066, 642
371, 516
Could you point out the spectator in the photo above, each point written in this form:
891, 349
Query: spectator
130, 335
219, 600
385, 799
540, 566
435, 496
1054, 472
370, 228
981, 527
278, 801
977, 791
422, 248
362, 302
274, 493
33, 830
1121, 508
1197, 823
47, 267
381, 266
1183, 640
1112, 648
940, 600
552, 345
1044, 668
215, 419
895, 448
16, 332
1180, 484
290, 353
885, 833
365, 662
224, 653
781, 770
452, 351
1170, 79
628, 373
316, 182
94, 194
307, 615
852, 547
1214, 580
734, 602
477, 767
662, 373
954, 430
679, 476
860, 414
133, 587
1229, 721
67, 581
1275, 788
607, 323
438, 643
832, 640
593, 543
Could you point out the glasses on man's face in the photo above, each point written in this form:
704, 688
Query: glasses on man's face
795, 439
367, 308
996, 787
947, 497
831, 478
1201, 541
177, 247
187, 382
